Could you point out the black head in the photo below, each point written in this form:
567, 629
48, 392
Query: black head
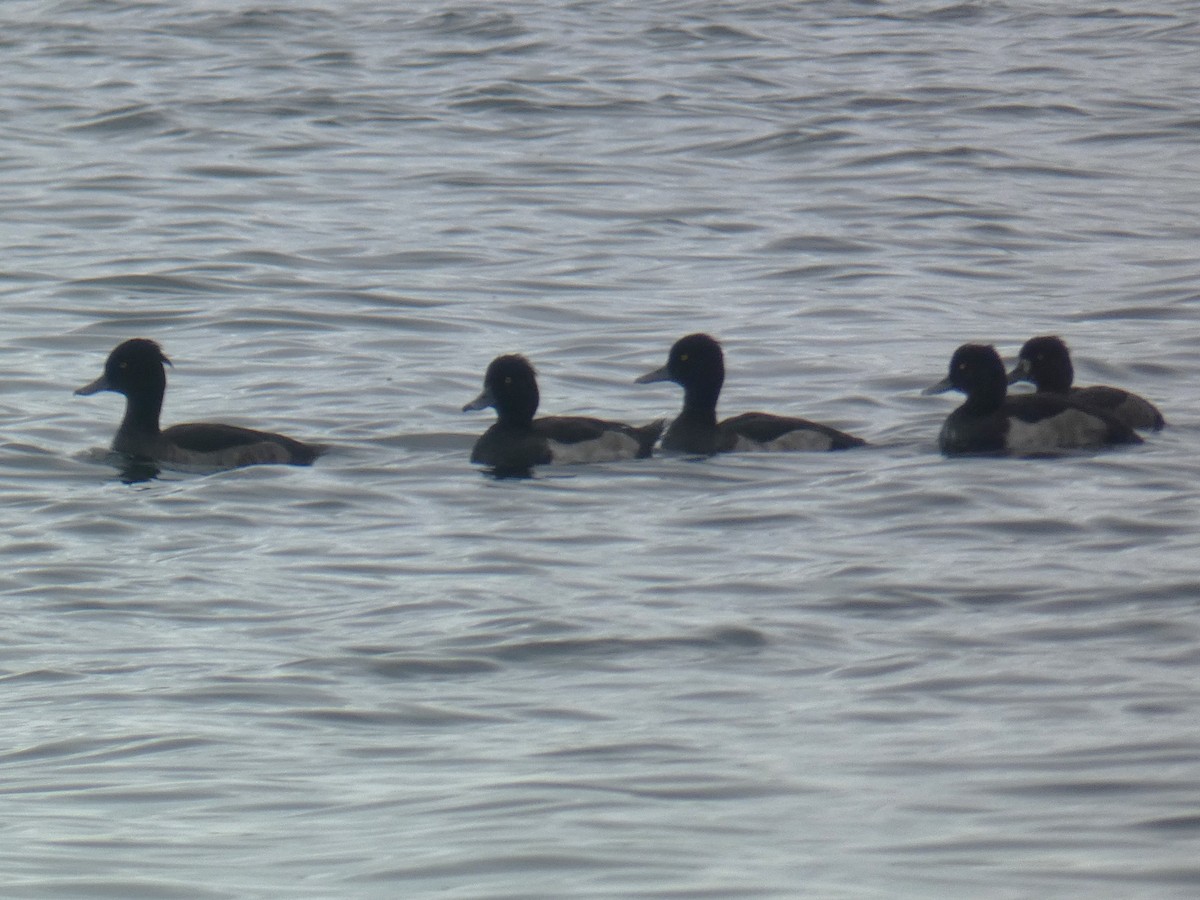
977, 371
1046, 362
509, 386
695, 362
134, 367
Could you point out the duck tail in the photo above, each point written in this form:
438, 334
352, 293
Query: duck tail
648, 435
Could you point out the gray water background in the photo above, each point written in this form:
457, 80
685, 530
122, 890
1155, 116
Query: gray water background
873, 674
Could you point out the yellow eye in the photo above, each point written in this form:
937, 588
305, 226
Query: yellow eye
683, 357
123, 365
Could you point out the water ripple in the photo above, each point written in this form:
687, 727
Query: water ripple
873, 674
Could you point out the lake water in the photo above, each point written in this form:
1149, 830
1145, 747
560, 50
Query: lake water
879, 673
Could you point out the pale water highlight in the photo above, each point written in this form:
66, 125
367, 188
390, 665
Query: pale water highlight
872, 673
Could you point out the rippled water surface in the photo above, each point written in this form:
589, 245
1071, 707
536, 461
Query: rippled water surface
876, 673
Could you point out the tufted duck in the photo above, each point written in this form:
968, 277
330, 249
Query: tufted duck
697, 364
517, 441
1046, 362
1023, 424
135, 369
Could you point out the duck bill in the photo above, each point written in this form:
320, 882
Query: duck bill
650, 377
940, 388
100, 384
483, 401
1020, 372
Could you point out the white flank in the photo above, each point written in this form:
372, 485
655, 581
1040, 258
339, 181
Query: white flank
609, 446
1070, 428
800, 439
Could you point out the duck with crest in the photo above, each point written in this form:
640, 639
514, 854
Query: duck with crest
1046, 362
135, 369
697, 364
992, 421
517, 441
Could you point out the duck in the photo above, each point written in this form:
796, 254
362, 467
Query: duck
135, 368
517, 442
991, 421
1046, 362
697, 364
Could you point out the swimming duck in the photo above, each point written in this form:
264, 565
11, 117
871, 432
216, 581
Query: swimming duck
1024, 424
1046, 362
697, 364
517, 441
135, 369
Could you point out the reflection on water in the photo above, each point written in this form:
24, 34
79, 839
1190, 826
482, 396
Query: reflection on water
133, 470
872, 674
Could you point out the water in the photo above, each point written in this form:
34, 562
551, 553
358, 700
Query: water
872, 674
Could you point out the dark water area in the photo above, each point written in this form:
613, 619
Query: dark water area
875, 673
